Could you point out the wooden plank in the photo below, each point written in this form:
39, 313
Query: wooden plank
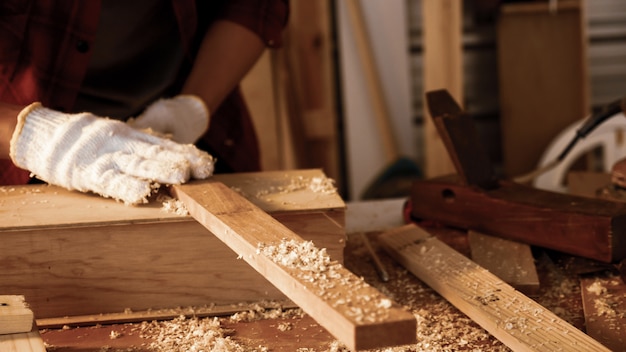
23, 342
511, 261
443, 69
604, 304
76, 254
15, 316
517, 321
591, 228
543, 80
353, 311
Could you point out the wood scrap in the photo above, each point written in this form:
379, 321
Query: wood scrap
516, 320
604, 303
354, 312
15, 316
511, 261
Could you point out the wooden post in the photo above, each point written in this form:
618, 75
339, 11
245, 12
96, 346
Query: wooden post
443, 69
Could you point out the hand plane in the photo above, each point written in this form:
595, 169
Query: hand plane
476, 199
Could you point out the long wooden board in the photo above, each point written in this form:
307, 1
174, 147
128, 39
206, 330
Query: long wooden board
354, 312
516, 320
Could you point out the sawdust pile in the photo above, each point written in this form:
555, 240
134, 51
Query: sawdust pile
319, 184
606, 303
190, 334
172, 205
329, 280
440, 326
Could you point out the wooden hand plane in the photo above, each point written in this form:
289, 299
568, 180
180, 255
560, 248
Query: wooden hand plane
478, 200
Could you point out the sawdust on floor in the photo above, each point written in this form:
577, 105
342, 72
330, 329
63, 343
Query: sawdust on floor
440, 326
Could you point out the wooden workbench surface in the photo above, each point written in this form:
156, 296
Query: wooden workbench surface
440, 325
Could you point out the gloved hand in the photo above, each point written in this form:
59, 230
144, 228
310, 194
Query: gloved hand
87, 153
185, 118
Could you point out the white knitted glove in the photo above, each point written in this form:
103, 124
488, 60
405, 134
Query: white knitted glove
87, 153
185, 118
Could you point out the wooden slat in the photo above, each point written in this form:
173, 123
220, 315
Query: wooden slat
514, 319
15, 316
354, 312
511, 261
604, 304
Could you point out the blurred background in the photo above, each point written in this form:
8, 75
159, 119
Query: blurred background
346, 91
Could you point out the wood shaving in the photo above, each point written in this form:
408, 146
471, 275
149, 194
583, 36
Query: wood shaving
172, 205
285, 326
190, 334
258, 312
318, 184
606, 304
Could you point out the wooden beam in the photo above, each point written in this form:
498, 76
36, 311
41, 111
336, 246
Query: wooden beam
353, 311
511, 261
15, 317
517, 321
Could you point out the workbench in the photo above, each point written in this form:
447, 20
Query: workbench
440, 325
278, 326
